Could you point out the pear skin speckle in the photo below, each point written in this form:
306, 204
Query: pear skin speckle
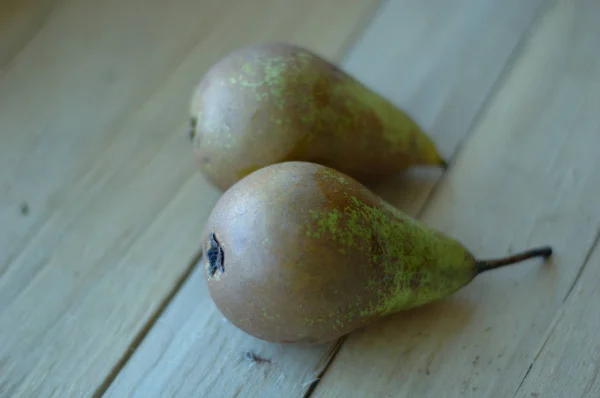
306, 253
404, 248
281, 102
310, 255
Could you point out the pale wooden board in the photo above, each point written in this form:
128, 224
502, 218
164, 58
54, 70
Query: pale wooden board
569, 361
192, 349
527, 177
68, 94
93, 121
438, 61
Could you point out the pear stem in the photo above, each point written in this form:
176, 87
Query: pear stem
486, 265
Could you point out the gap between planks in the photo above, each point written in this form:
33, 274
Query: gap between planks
139, 337
196, 259
505, 72
45, 371
560, 311
568, 75
439, 81
585, 263
568, 364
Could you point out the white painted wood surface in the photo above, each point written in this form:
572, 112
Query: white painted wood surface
192, 335
528, 176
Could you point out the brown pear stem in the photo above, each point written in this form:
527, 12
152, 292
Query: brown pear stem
486, 265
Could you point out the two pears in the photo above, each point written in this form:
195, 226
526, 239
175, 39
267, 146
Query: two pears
300, 252
273, 102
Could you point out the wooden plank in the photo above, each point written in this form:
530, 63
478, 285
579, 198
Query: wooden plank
193, 350
69, 93
440, 75
527, 177
569, 361
93, 115
192, 335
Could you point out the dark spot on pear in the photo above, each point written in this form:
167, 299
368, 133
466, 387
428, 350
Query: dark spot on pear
320, 93
376, 247
215, 255
415, 280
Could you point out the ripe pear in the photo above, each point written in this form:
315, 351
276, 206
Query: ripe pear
273, 102
299, 252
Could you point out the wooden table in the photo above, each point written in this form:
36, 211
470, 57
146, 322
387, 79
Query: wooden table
101, 205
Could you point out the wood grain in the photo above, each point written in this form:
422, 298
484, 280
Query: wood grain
93, 115
527, 177
569, 360
192, 348
446, 58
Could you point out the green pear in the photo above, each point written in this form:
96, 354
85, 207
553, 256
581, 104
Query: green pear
299, 252
273, 102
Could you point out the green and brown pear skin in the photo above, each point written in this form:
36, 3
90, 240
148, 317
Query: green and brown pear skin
268, 103
299, 252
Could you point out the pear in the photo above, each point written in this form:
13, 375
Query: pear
273, 102
299, 252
